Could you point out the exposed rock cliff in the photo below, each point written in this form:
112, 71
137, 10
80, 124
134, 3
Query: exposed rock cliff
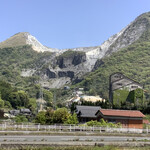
25, 38
67, 65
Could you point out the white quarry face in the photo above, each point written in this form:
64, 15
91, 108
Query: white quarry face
36, 45
122, 39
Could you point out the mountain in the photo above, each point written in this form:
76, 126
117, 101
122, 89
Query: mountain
132, 60
25, 38
135, 31
55, 68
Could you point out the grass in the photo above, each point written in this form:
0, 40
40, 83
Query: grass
87, 148
73, 148
71, 133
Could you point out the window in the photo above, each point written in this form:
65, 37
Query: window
134, 86
117, 76
112, 120
120, 84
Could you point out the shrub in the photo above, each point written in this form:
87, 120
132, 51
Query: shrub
72, 119
20, 118
103, 123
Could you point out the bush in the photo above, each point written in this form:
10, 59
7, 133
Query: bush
20, 118
60, 115
103, 123
72, 119
93, 123
41, 118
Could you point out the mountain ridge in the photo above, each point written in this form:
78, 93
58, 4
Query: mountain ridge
103, 48
25, 38
55, 76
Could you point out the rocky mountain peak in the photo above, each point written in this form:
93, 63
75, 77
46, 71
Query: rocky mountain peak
62, 70
36, 45
25, 38
127, 36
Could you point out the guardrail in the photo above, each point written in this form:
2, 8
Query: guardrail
68, 128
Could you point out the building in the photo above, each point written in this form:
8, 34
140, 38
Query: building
22, 111
25, 111
118, 81
128, 118
86, 113
14, 112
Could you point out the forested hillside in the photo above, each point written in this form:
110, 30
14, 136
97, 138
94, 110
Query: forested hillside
133, 61
127, 52
14, 59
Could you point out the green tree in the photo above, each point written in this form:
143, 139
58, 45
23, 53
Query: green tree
32, 105
20, 118
60, 115
92, 92
49, 116
72, 119
14, 99
18, 99
1, 103
41, 118
23, 97
7, 105
48, 96
5, 90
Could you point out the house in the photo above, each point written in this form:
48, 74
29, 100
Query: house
128, 118
118, 81
86, 113
25, 111
14, 112
66, 88
22, 111
78, 92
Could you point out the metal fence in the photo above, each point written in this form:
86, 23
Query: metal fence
67, 128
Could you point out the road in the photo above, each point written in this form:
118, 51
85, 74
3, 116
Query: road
55, 139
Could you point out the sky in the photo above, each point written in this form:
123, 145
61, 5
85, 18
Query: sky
68, 23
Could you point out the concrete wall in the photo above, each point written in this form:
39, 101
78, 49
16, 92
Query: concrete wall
137, 124
126, 123
119, 81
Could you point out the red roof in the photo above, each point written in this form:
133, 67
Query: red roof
122, 113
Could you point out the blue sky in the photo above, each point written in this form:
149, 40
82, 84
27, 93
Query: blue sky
68, 23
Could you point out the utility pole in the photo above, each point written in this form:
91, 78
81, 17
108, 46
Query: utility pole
54, 100
40, 100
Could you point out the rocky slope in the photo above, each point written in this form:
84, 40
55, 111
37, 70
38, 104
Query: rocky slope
66, 65
25, 38
93, 55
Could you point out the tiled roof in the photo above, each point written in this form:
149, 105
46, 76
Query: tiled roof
121, 113
87, 111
